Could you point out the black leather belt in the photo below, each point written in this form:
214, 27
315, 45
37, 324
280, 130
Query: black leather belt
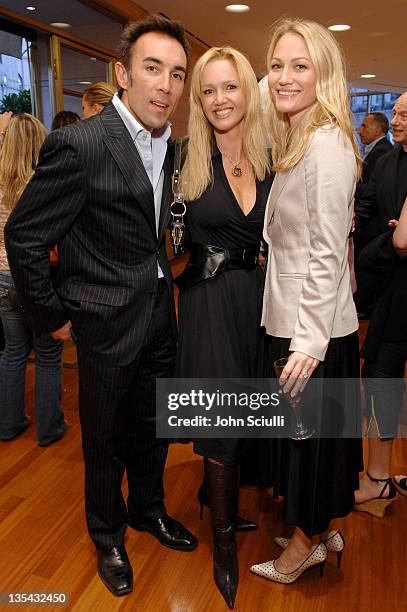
207, 261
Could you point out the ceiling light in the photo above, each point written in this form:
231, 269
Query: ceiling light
93, 59
60, 24
339, 27
367, 76
30, 8
84, 82
237, 8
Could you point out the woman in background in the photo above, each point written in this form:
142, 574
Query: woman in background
4, 122
18, 158
226, 180
385, 353
64, 118
96, 97
308, 310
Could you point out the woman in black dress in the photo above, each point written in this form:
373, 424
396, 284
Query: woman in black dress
226, 180
308, 308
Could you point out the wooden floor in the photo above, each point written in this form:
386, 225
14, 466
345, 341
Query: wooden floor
44, 544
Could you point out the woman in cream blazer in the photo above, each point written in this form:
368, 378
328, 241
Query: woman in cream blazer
308, 295
308, 310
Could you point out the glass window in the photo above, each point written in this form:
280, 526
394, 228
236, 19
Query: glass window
376, 103
73, 103
359, 104
15, 73
359, 108
388, 100
79, 70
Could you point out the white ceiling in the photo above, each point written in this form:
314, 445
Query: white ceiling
376, 44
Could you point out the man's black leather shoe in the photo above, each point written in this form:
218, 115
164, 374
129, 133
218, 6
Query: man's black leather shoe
168, 532
115, 570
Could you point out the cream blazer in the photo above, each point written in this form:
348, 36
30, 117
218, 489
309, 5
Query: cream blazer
308, 218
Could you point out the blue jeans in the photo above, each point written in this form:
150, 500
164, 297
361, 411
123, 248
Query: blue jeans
19, 341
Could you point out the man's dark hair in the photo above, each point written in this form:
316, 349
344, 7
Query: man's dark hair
381, 121
151, 23
64, 118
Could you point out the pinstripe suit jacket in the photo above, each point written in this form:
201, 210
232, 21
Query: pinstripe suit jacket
91, 196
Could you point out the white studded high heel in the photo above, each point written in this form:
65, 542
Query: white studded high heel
315, 559
335, 544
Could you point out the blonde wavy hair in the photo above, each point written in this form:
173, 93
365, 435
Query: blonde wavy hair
197, 172
19, 156
331, 106
99, 93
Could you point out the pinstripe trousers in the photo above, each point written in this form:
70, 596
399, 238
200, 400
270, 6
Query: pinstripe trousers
117, 412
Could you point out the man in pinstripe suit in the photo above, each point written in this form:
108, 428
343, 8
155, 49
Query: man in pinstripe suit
101, 191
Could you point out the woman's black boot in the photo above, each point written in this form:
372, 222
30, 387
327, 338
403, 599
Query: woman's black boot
241, 524
222, 483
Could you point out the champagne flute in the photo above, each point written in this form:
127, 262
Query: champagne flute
300, 430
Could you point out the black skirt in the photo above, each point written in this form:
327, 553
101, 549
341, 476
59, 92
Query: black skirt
220, 337
318, 477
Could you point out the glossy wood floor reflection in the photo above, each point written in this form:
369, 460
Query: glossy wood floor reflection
44, 544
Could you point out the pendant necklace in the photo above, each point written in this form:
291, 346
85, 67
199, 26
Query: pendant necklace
236, 169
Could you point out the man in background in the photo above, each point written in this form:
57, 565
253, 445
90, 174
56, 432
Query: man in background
373, 134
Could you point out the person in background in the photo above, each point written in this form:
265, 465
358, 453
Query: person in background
373, 134
385, 353
18, 158
384, 195
64, 118
96, 97
308, 308
4, 122
384, 348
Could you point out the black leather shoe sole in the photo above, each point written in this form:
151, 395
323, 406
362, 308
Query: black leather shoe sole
163, 541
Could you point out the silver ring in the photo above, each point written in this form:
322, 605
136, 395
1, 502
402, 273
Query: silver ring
304, 374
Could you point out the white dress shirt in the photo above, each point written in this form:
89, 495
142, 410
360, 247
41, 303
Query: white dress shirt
152, 148
371, 145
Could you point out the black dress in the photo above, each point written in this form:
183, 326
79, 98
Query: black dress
219, 318
385, 347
